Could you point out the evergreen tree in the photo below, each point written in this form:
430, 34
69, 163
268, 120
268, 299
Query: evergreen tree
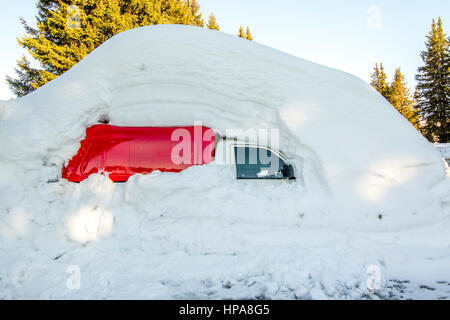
57, 43
400, 97
212, 23
248, 35
245, 35
241, 33
27, 78
432, 93
195, 17
379, 80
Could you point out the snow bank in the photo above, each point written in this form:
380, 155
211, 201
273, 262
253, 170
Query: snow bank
361, 166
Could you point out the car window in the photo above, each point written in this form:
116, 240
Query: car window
259, 163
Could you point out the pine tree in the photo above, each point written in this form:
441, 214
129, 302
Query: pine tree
212, 23
241, 33
400, 97
248, 35
379, 80
432, 93
57, 43
27, 80
195, 17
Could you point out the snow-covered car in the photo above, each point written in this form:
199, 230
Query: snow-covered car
371, 194
122, 152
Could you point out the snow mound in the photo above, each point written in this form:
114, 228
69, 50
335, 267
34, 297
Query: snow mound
360, 166
354, 151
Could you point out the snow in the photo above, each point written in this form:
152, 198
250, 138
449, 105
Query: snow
370, 191
444, 149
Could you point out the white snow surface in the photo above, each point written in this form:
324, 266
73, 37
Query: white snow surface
444, 149
370, 190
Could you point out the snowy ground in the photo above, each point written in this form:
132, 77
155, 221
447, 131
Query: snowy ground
370, 205
150, 250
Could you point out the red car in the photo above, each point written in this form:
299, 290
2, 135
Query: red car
126, 151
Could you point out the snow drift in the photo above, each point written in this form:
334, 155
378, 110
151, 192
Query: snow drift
361, 165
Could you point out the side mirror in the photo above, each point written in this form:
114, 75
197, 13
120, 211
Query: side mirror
288, 171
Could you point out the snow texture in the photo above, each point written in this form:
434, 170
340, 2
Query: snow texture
371, 191
444, 149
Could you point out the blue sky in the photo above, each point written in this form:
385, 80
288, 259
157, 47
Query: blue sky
349, 35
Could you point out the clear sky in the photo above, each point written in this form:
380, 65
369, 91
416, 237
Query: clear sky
350, 35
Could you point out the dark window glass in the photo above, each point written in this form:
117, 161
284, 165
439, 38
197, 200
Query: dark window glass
259, 163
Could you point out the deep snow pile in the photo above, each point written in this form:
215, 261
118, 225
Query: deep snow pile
362, 169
